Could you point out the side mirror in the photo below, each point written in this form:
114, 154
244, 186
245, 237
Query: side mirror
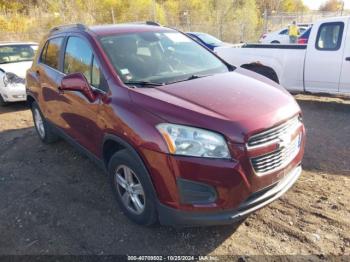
77, 82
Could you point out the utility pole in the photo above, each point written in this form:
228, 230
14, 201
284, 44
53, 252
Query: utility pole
342, 8
112, 13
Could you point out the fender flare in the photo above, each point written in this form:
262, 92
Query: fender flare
134, 153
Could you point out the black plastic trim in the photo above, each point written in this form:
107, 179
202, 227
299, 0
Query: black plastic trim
275, 46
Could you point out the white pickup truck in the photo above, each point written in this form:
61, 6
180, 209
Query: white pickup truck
322, 66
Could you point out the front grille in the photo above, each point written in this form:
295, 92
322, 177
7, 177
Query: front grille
273, 134
285, 152
277, 159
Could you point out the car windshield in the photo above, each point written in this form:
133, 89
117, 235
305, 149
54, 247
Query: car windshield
17, 53
159, 57
209, 39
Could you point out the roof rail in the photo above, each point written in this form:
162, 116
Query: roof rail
62, 27
152, 23
144, 23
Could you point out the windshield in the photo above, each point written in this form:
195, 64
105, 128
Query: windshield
159, 57
17, 53
209, 39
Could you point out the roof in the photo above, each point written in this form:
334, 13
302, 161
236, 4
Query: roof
102, 30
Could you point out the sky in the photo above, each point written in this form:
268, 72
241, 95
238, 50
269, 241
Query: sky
315, 4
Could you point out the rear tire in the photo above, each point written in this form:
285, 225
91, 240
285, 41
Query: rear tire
132, 188
43, 128
2, 102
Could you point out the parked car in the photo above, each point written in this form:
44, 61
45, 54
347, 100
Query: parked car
304, 38
279, 36
15, 59
186, 139
321, 66
208, 40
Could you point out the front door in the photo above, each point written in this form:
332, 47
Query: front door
324, 58
80, 116
344, 86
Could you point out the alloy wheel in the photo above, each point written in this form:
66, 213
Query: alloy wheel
39, 123
130, 189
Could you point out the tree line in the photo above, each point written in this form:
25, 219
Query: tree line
232, 20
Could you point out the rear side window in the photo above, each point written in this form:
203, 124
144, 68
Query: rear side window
329, 36
51, 52
79, 58
284, 32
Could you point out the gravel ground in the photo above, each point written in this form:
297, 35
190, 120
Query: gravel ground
55, 201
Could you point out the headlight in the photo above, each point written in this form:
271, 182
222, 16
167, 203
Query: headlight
189, 141
11, 78
5, 79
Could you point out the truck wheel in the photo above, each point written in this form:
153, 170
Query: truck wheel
275, 42
43, 128
132, 188
2, 102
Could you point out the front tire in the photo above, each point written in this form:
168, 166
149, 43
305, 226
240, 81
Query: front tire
43, 129
132, 188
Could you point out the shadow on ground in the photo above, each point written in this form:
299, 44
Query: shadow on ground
55, 201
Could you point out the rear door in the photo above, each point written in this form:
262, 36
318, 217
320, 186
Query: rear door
48, 73
324, 57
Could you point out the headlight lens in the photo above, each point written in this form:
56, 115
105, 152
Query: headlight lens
189, 141
11, 78
5, 79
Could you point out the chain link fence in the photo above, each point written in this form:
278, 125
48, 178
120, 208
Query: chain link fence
279, 20
35, 24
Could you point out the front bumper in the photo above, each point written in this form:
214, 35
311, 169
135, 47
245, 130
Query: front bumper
14, 93
257, 200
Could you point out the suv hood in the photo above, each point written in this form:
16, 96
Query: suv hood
18, 68
223, 102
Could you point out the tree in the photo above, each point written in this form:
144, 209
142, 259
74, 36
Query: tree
332, 6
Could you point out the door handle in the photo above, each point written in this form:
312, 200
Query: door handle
347, 58
60, 90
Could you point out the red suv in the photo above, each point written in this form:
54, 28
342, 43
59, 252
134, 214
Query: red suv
186, 138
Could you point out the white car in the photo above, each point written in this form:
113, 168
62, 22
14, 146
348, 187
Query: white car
321, 66
280, 36
15, 59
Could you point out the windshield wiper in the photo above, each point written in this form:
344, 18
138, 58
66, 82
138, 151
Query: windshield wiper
143, 83
191, 77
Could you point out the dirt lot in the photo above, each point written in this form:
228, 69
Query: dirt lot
55, 201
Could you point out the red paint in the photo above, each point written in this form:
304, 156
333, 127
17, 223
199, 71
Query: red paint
236, 104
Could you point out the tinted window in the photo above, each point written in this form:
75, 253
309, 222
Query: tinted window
329, 36
79, 58
51, 53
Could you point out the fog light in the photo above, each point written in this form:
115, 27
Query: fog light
195, 193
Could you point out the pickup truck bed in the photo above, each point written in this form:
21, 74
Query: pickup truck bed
321, 66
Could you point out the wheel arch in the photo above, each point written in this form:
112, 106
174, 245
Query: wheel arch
113, 144
30, 100
264, 70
